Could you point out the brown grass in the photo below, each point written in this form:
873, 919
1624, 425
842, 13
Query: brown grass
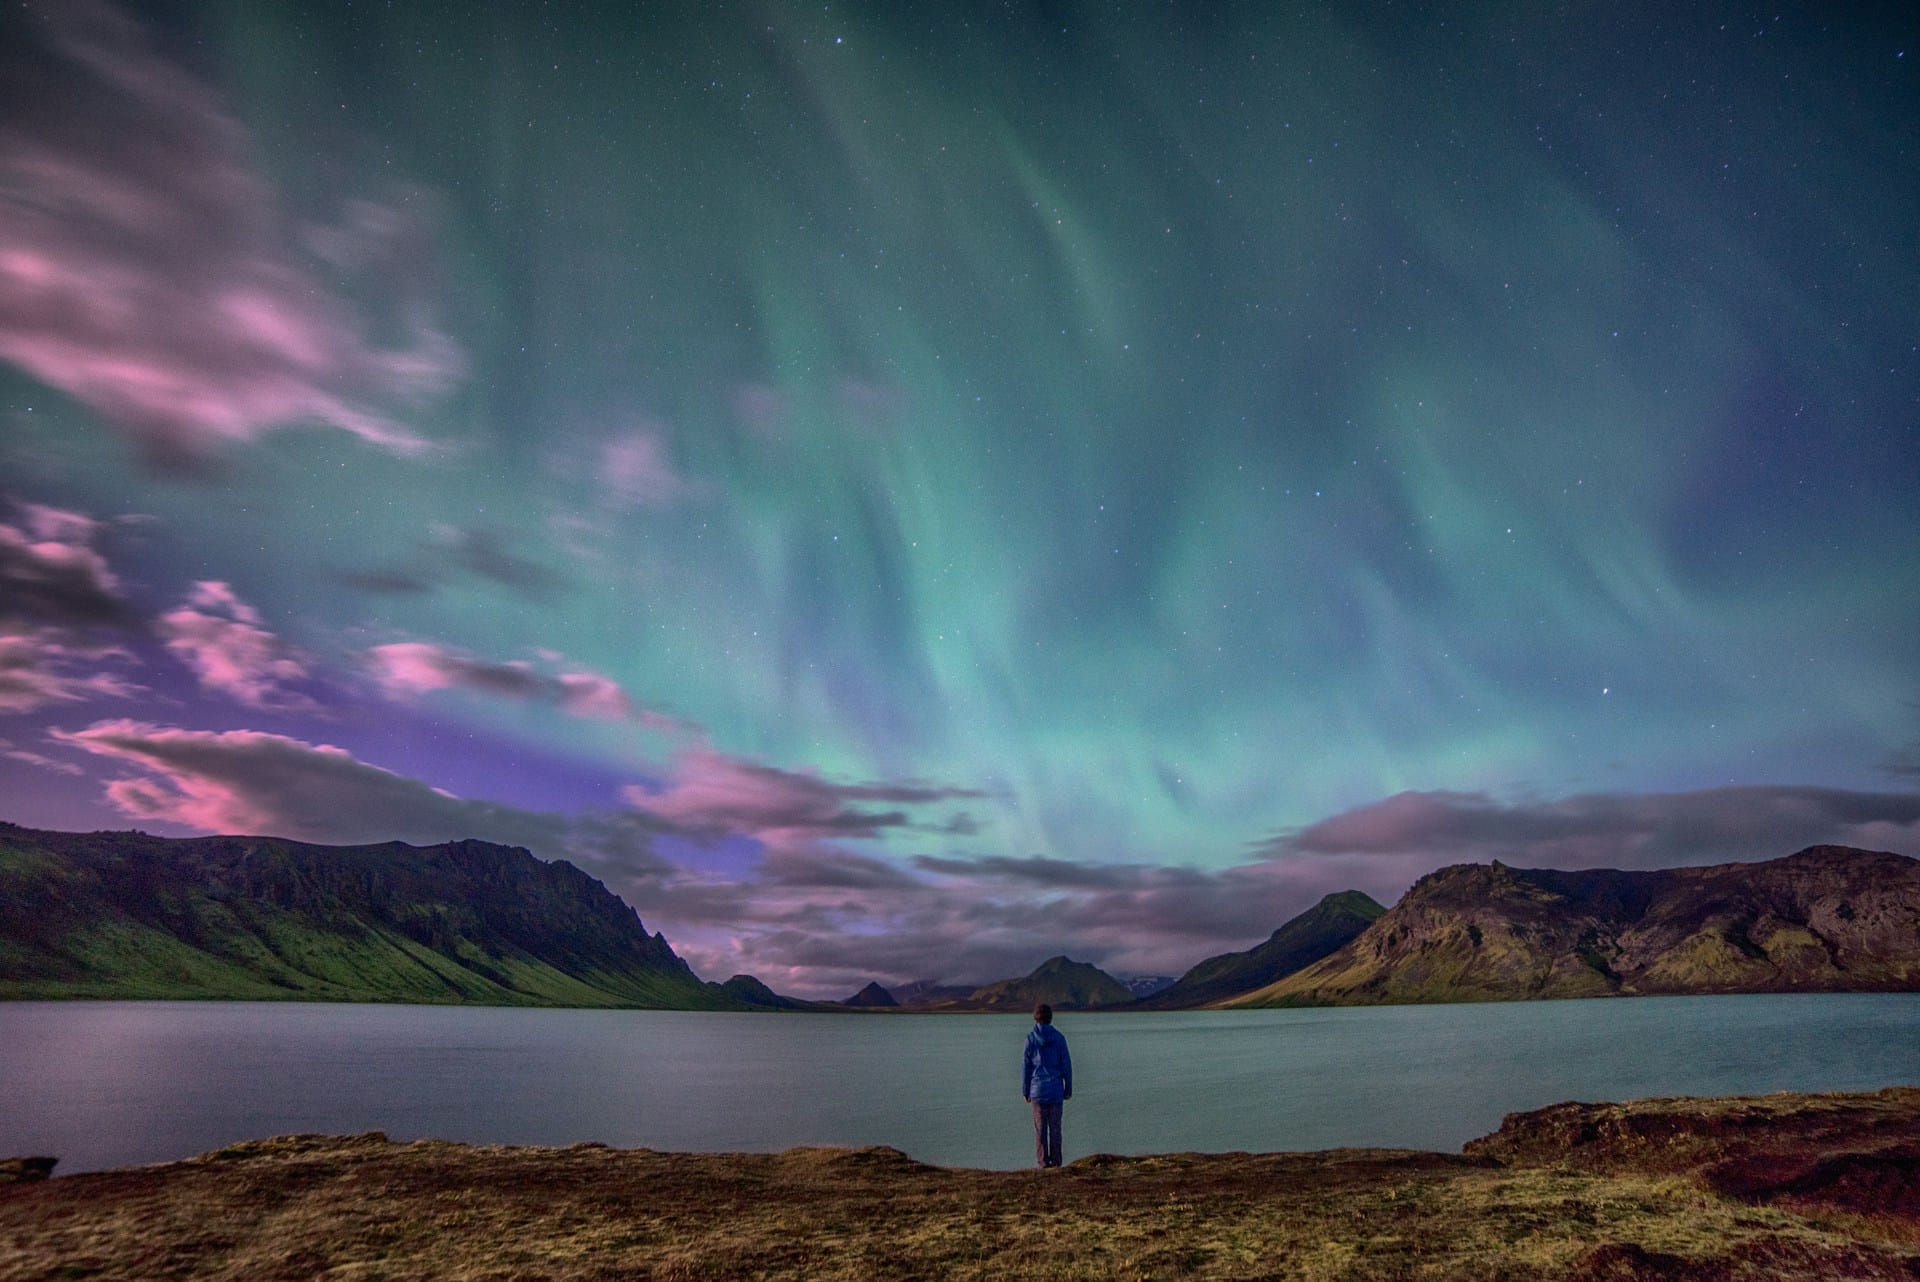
1575, 1208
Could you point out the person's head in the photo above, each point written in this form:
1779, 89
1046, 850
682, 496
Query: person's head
1043, 1014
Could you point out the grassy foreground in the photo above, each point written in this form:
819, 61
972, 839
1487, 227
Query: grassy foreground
1784, 1186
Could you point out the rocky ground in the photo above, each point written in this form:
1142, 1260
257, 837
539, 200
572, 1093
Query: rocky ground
1785, 1186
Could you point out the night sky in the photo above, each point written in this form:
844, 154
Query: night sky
902, 491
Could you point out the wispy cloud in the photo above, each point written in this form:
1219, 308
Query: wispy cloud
226, 643
714, 795
37, 668
406, 668
484, 553
820, 919
811, 915
1618, 830
57, 594
814, 918
637, 472
453, 551
824, 920
387, 582
147, 270
52, 576
14, 752
249, 781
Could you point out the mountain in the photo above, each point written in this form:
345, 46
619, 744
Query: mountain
871, 996
1322, 929
1060, 982
1147, 985
124, 914
750, 993
1828, 919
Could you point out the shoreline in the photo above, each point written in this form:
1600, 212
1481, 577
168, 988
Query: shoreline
1776, 1186
806, 1007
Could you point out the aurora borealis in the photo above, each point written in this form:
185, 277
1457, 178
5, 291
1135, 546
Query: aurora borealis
902, 491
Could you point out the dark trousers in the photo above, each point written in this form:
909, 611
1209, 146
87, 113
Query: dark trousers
1046, 1134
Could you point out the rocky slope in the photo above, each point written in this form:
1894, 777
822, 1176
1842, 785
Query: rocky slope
1060, 982
124, 914
1322, 929
1829, 919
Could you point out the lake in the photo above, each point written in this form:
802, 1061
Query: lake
102, 1084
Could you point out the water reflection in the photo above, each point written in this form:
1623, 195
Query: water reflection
112, 1083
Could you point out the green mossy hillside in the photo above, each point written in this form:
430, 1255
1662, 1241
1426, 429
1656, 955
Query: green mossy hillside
1327, 926
129, 915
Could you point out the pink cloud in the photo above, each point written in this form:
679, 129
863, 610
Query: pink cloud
14, 752
56, 590
812, 917
1621, 830
714, 796
250, 781
588, 694
406, 668
190, 784
50, 574
1404, 821
823, 920
59, 525
147, 270
223, 640
36, 669
815, 919
414, 667
818, 920
637, 472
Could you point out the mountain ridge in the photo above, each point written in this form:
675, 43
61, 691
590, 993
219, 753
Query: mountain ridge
1060, 982
1299, 942
1825, 919
128, 914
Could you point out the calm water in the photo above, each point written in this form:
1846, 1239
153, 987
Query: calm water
102, 1084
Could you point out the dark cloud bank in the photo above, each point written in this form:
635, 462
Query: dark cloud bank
816, 917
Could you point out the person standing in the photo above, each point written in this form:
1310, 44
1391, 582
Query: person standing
1046, 1082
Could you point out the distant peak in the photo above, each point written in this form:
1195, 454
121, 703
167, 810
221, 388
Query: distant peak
1354, 901
1822, 854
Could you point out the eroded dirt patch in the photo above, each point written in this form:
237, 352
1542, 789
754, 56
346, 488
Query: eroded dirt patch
1778, 1187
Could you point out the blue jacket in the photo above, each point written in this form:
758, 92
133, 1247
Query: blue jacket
1046, 1074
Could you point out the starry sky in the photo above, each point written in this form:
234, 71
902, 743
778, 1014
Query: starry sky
899, 492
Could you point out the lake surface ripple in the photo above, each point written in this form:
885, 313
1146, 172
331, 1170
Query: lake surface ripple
103, 1084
